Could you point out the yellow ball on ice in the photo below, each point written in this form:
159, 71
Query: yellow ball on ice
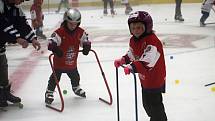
64, 92
213, 89
177, 81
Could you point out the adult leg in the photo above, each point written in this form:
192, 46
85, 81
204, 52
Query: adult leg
178, 15
59, 6
5, 87
112, 7
66, 4
128, 7
105, 7
203, 18
3, 79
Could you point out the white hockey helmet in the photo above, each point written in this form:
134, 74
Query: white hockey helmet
72, 15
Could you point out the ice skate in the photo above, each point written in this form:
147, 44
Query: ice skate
202, 24
57, 11
105, 13
49, 97
113, 13
179, 18
3, 100
10, 97
7, 99
128, 10
3, 104
78, 91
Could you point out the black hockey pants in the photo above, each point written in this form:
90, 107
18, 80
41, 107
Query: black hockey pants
178, 8
3, 70
73, 75
153, 105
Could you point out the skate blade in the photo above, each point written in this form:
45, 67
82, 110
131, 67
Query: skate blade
3, 109
10, 105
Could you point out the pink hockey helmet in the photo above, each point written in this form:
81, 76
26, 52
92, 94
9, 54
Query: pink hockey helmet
141, 16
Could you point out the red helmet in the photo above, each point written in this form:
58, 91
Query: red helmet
141, 16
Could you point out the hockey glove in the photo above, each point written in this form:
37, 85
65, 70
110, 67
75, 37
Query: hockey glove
119, 62
86, 48
58, 51
128, 69
52, 46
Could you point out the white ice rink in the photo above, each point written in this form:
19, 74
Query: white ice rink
191, 47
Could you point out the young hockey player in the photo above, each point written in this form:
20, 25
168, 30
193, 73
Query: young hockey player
37, 18
64, 43
112, 11
13, 28
128, 7
145, 57
205, 10
178, 15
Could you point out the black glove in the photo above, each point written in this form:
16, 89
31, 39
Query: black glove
86, 48
57, 51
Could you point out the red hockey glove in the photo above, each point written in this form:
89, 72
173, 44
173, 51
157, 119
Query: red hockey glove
128, 69
119, 62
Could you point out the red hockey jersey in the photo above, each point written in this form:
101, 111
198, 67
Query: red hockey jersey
147, 58
69, 43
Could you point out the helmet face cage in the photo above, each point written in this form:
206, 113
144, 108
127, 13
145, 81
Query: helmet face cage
141, 16
72, 15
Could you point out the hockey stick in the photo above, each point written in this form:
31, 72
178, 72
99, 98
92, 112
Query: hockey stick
135, 94
209, 84
105, 80
58, 87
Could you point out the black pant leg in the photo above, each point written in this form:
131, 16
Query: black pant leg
204, 16
52, 82
178, 8
105, 5
111, 6
74, 77
3, 70
153, 105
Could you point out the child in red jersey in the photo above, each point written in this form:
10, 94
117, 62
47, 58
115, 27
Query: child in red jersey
37, 18
65, 43
145, 57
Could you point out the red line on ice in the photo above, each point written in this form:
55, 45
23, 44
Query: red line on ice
24, 70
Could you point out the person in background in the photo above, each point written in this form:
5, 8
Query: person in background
14, 28
62, 2
178, 15
65, 43
111, 3
128, 7
206, 7
146, 57
37, 18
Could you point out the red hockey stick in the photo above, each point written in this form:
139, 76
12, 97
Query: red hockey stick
105, 80
58, 88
